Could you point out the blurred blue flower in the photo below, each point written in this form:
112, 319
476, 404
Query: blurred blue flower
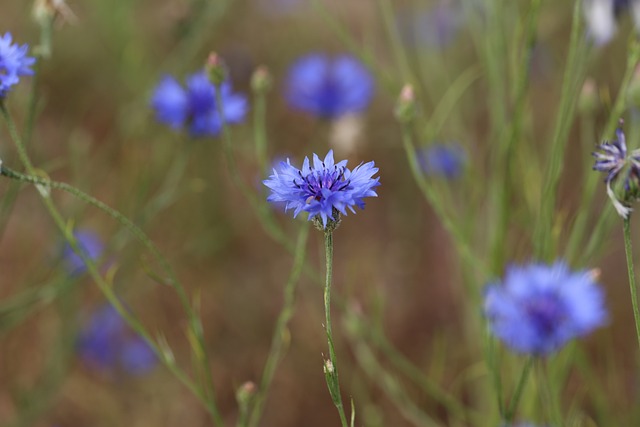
196, 106
14, 63
329, 87
433, 28
538, 308
445, 160
89, 243
614, 160
107, 344
323, 189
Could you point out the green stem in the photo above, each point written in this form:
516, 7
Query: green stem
277, 340
260, 132
402, 59
549, 398
632, 279
331, 365
522, 382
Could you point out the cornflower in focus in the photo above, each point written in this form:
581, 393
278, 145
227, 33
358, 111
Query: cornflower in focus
14, 63
538, 308
106, 344
90, 244
196, 106
444, 160
325, 190
329, 87
614, 160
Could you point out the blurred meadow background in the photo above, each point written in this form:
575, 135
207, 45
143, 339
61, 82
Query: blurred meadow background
516, 92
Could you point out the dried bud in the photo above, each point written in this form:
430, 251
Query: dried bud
261, 81
216, 69
406, 105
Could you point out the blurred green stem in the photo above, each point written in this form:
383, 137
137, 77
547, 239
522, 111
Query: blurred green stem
277, 340
549, 397
260, 130
105, 287
571, 85
522, 382
632, 278
331, 365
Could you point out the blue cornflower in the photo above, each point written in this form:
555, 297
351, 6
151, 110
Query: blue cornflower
616, 161
107, 344
325, 190
90, 244
329, 87
196, 106
442, 160
14, 63
538, 308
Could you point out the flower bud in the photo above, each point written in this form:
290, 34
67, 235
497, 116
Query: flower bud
216, 69
261, 81
405, 110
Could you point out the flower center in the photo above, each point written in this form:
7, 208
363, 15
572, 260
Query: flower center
546, 312
325, 179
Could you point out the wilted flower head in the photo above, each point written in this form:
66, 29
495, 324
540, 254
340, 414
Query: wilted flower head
445, 160
108, 345
329, 87
14, 63
89, 242
538, 308
196, 107
616, 162
325, 190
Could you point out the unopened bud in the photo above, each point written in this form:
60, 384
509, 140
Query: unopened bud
328, 367
261, 81
406, 105
216, 69
245, 393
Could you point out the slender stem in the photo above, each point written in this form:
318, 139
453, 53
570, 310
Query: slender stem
260, 131
402, 59
549, 398
491, 356
522, 382
277, 340
632, 280
331, 365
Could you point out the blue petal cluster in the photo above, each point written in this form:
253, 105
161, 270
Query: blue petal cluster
539, 308
90, 244
323, 188
445, 160
14, 63
329, 87
614, 160
195, 107
106, 344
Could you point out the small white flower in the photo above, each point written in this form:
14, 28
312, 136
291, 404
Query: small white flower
601, 22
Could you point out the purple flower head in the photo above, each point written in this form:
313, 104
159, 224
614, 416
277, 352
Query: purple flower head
442, 160
107, 344
90, 244
329, 87
538, 308
324, 189
195, 106
14, 63
613, 159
